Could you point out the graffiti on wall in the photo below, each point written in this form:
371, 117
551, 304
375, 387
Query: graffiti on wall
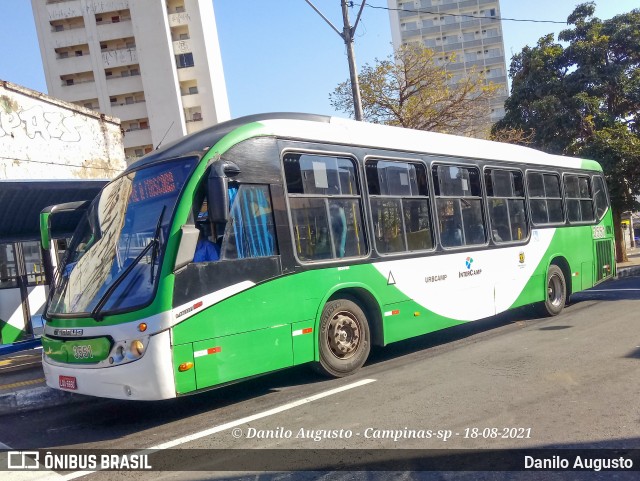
36, 121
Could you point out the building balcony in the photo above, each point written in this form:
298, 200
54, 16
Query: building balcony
194, 125
124, 85
182, 46
80, 90
186, 74
190, 101
120, 57
62, 10
136, 110
72, 65
102, 7
67, 38
112, 31
177, 19
136, 138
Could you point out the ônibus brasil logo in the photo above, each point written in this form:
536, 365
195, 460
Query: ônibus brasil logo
469, 272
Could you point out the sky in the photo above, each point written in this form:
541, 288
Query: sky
280, 55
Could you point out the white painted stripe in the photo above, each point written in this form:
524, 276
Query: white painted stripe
210, 299
237, 422
610, 290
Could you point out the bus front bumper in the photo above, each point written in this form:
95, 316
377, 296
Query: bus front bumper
149, 378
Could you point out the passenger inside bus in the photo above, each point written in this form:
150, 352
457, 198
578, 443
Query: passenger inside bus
206, 251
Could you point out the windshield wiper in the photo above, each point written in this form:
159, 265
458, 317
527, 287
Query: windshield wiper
105, 297
156, 246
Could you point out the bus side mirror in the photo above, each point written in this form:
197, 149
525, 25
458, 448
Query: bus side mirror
218, 190
68, 213
188, 241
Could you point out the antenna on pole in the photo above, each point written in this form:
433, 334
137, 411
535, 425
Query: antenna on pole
347, 35
165, 134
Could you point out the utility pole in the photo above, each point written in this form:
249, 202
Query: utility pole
347, 35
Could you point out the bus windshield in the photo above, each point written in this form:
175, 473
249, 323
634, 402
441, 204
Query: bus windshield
114, 255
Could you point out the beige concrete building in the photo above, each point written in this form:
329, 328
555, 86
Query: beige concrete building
471, 29
155, 64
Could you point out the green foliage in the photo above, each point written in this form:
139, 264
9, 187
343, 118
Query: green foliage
583, 99
409, 89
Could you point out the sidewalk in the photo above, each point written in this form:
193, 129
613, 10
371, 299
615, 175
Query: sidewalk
22, 386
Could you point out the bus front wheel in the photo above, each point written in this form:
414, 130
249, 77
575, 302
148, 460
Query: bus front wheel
344, 338
556, 293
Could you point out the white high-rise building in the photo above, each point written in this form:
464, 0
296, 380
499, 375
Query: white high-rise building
155, 64
471, 29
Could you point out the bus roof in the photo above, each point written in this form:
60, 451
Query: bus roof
336, 130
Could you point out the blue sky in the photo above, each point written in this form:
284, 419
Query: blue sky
279, 55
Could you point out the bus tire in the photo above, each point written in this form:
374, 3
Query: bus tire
556, 291
344, 338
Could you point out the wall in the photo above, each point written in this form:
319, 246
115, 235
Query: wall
45, 138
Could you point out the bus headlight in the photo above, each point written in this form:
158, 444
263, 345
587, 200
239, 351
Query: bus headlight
128, 350
136, 348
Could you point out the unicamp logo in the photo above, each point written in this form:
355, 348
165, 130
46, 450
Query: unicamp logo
469, 272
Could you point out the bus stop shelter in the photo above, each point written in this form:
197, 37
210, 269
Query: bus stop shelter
23, 282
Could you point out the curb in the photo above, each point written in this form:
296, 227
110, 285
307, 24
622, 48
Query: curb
628, 271
36, 398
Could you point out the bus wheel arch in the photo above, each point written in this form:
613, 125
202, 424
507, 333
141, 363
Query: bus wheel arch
557, 287
348, 325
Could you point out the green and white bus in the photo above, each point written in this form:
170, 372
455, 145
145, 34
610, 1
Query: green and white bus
323, 236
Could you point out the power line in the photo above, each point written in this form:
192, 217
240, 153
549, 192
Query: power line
465, 15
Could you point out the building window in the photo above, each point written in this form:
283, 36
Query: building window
134, 71
193, 90
115, 19
197, 116
69, 81
64, 55
184, 60
180, 9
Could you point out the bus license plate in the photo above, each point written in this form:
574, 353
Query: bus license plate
68, 382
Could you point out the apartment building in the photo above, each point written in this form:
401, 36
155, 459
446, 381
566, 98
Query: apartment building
155, 64
465, 34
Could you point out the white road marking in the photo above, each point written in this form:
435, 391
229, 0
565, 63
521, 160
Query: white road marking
609, 290
231, 424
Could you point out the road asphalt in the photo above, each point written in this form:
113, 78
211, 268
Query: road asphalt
23, 388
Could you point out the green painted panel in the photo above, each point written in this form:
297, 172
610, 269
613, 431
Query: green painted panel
185, 381
586, 273
81, 351
304, 341
407, 319
229, 358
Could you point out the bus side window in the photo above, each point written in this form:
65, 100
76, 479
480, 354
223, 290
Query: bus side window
250, 230
459, 205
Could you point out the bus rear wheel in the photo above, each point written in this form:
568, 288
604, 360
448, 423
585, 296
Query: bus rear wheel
556, 292
344, 338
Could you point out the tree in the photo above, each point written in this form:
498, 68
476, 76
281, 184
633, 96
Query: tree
409, 89
583, 99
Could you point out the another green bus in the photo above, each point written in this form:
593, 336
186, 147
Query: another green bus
281, 239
